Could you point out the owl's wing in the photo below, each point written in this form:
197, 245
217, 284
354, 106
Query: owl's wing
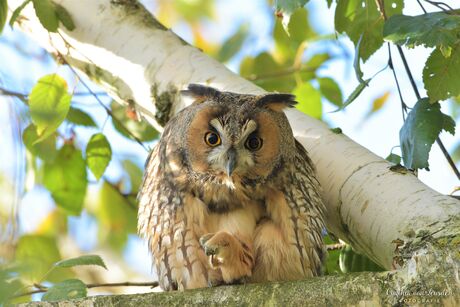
162, 219
307, 210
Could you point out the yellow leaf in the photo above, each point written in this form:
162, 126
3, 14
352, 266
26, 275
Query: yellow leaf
379, 102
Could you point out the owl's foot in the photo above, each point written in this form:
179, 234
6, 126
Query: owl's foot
230, 254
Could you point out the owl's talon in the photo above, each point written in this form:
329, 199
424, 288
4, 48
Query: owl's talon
205, 239
229, 254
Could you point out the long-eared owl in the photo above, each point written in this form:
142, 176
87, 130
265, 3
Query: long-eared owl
230, 196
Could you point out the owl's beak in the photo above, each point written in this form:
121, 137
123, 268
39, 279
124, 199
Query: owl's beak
231, 161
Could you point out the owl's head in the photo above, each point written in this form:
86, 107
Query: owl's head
228, 136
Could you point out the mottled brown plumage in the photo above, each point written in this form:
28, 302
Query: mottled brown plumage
229, 195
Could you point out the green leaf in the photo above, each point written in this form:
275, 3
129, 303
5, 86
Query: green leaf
45, 150
233, 44
17, 11
82, 260
79, 117
46, 14
421, 128
351, 261
286, 45
38, 253
287, 8
66, 290
116, 216
139, 129
135, 175
65, 178
332, 261
357, 91
361, 18
330, 89
3, 13
49, 103
64, 17
431, 30
309, 100
393, 158
441, 75
98, 154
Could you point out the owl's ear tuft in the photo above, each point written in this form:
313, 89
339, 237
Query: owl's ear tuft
277, 102
200, 92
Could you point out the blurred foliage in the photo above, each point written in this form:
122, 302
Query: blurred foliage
55, 132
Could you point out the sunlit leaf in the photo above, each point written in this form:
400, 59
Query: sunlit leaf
233, 44
65, 178
299, 31
309, 100
98, 154
332, 260
9, 284
3, 13
54, 224
351, 261
38, 253
140, 129
361, 18
64, 17
421, 128
17, 11
441, 75
65, 290
45, 150
393, 158
287, 7
49, 103
379, 102
117, 217
331, 90
79, 117
46, 14
430, 30
82, 260
135, 175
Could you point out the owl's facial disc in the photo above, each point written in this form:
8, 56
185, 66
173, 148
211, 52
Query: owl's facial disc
235, 152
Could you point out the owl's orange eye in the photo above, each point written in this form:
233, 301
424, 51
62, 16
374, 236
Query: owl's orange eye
212, 139
253, 143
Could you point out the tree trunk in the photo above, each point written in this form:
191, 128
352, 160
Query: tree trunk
388, 215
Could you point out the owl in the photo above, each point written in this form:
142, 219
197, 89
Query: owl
230, 196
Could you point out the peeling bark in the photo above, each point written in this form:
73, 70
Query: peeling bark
390, 216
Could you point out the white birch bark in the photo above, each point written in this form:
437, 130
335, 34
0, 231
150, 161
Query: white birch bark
121, 46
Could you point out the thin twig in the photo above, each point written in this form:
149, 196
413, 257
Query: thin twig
125, 284
440, 5
107, 109
409, 73
448, 157
337, 246
5, 92
421, 6
43, 289
403, 104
